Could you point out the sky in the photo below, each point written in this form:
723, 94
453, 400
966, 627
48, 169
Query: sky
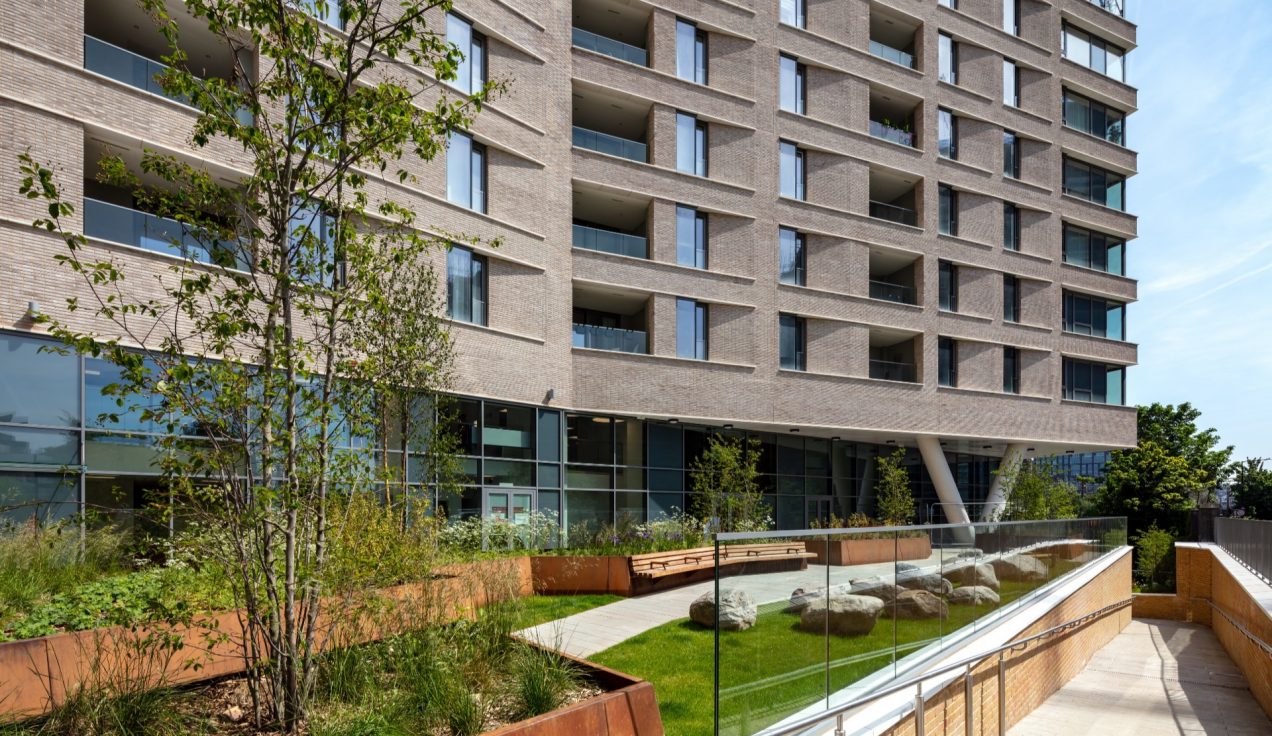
1204, 200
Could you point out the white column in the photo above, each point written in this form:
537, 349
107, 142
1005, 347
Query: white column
946, 489
997, 499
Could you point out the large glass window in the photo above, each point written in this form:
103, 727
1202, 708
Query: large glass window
691, 144
1091, 315
1095, 118
691, 52
947, 275
1094, 382
1095, 184
466, 285
947, 59
1011, 298
791, 170
508, 431
37, 387
1011, 370
947, 210
691, 237
1093, 52
104, 408
691, 329
589, 439
45, 496
466, 172
946, 134
791, 342
792, 84
791, 258
1090, 249
794, 13
1011, 155
947, 361
1011, 83
470, 73
1011, 226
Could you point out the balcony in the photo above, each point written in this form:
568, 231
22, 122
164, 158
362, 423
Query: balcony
886, 370
892, 36
893, 213
896, 56
610, 144
893, 196
892, 116
889, 133
890, 292
1116, 7
105, 221
893, 276
610, 47
609, 241
615, 339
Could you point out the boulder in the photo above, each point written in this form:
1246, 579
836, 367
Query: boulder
800, 598
875, 587
931, 582
982, 574
1020, 568
737, 610
917, 604
969, 553
845, 615
905, 567
972, 595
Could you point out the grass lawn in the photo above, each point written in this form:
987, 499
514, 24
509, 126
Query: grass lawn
773, 669
540, 609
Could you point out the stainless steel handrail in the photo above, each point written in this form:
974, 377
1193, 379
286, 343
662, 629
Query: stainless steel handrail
797, 533
970, 664
1237, 625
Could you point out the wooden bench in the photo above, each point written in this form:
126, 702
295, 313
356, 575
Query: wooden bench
661, 564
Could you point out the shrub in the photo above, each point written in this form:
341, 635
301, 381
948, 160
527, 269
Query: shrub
1155, 560
541, 681
892, 491
41, 561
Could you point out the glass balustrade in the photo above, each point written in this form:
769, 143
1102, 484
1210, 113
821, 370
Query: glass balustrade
889, 133
608, 241
887, 370
896, 56
610, 144
893, 213
117, 224
609, 338
891, 292
608, 46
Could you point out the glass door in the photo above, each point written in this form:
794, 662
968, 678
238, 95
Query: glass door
818, 509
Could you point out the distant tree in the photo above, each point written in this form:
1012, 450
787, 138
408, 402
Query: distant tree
1252, 488
895, 498
1175, 429
1149, 485
1033, 492
726, 481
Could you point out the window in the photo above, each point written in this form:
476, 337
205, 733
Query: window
466, 286
1094, 382
691, 52
791, 256
38, 386
1011, 226
326, 11
1011, 370
470, 74
691, 329
793, 84
312, 235
1011, 155
953, 4
466, 172
1090, 249
1011, 17
1011, 83
1094, 184
948, 286
1011, 298
691, 144
948, 210
947, 362
1093, 52
1095, 118
946, 134
794, 13
1090, 315
791, 173
947, 59
791, 342
691, 237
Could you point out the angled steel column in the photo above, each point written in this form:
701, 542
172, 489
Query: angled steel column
942, 479
997, 499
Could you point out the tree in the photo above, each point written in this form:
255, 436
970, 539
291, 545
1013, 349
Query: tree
1149, 485
263, 356
1033, 492
894, 497
726, 481
1252, 488
1174, 428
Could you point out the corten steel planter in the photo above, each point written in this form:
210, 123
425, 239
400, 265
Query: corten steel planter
571, 575
842, 552
627, 708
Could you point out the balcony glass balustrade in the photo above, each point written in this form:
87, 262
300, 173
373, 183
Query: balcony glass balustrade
610, 338
106, 221
891, 292
887, 370
600, 142
893, 213
896, 56
608, 241
889, 133
608, 46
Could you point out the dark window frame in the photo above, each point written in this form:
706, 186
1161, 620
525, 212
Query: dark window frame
1011, 154
800, 257
947, 286
479, 297
1011, 227
801, 85
952, 154
1011, 298
947, 210
947, 362
798, 362
1011, 370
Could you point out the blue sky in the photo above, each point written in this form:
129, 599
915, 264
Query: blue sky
1204, 198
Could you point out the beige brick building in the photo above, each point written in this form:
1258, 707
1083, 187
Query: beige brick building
844, 225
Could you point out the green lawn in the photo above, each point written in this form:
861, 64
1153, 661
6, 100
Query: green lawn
772, 669
540, 609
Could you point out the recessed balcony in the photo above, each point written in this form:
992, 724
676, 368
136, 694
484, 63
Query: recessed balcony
892, 277
892, 355
615, 29
892, 37
610, 123
610, 319
610, 222
893, 197
892, 116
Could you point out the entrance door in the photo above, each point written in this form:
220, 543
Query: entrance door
510, 506
819, 509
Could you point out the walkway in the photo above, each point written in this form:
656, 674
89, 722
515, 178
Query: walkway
1155, 678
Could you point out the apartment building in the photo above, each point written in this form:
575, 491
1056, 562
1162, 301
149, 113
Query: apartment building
840, 227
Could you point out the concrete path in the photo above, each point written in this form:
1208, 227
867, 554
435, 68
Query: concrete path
1153, 679
597, 629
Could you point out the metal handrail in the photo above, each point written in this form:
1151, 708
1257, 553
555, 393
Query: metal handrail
1259, 642
970, 664
797, 533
